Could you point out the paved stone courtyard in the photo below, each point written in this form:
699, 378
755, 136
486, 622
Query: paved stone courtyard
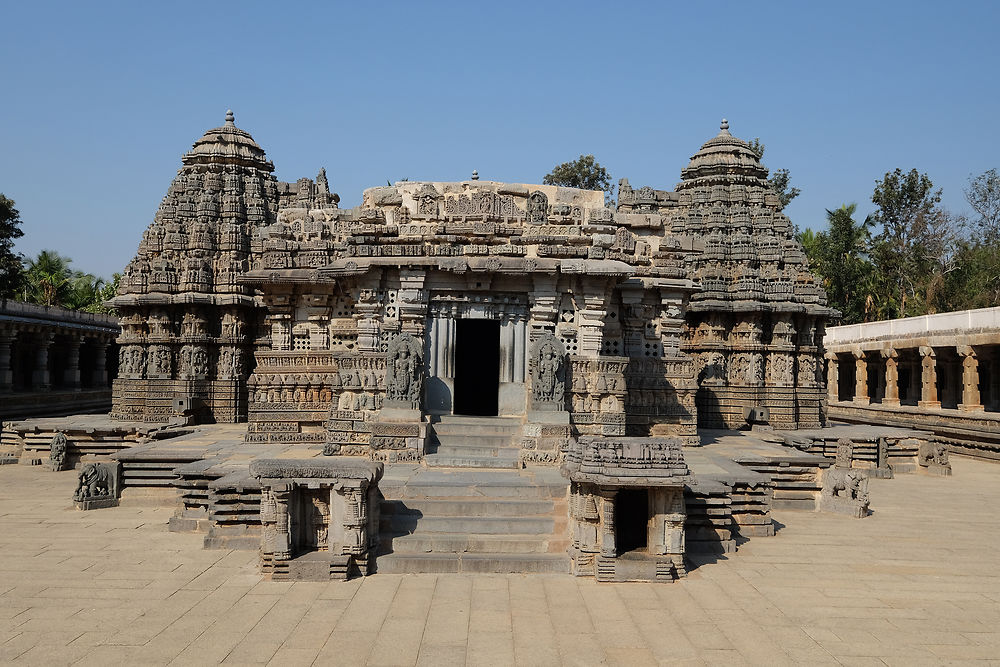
916, 583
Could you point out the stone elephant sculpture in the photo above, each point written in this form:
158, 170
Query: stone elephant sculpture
850, 484
95, 481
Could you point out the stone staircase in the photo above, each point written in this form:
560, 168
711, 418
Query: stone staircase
474, 442
475, 521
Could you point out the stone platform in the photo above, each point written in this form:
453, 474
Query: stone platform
912, 584
440, 519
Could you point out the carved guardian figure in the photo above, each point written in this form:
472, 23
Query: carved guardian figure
403, 370
548, 373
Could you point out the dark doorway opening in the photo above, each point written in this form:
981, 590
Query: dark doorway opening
631, 520
477, 367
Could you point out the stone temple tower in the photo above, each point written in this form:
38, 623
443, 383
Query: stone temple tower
188, 325
755, 327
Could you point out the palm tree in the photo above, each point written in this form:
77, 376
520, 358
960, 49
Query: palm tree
49, 278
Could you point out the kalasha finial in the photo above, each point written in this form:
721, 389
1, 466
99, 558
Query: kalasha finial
475, 175
724, 125
230, 118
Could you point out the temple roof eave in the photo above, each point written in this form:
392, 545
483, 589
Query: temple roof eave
182, 298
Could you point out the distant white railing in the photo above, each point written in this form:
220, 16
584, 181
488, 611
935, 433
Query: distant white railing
981, 318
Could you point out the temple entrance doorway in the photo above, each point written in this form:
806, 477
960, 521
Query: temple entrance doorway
477, 367
631, 520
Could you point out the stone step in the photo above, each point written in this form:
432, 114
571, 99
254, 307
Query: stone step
513, 488
471, 525
480, 421
505, 430
478, 450
464, 461
443, 543
453, 506
473, 562
473, 440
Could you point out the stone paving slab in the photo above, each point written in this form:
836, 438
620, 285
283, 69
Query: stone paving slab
915, 583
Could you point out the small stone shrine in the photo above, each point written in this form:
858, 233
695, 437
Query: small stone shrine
319, 517
845, 489
627, 507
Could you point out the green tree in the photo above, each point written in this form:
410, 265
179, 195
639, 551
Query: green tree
11, 268
840, 255
780, 179
914, 241
51, 281
983, 195
48, 279
584, 172
106, 292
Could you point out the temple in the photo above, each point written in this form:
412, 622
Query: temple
255, 299
471, 376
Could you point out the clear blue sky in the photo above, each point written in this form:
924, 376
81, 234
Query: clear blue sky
100, 100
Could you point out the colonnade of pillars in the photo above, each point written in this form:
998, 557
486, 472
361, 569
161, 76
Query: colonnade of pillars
37, 359
963, 377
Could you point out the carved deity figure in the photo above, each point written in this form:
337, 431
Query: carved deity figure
548, 381
403, 369
57, 452
158, 361
845, 453
538, 207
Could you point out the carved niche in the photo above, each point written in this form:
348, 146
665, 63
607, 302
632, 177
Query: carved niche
404, 371
548, 373
538, 207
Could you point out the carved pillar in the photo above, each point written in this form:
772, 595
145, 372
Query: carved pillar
928, 379
544, 305
7, 337
71, 376
832, 377
891, 395
860, 378
412, 299
507, 349
100, 377
520, 350
591, 317
608, 547
970, 380
40, 379
366, 310
282, 546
